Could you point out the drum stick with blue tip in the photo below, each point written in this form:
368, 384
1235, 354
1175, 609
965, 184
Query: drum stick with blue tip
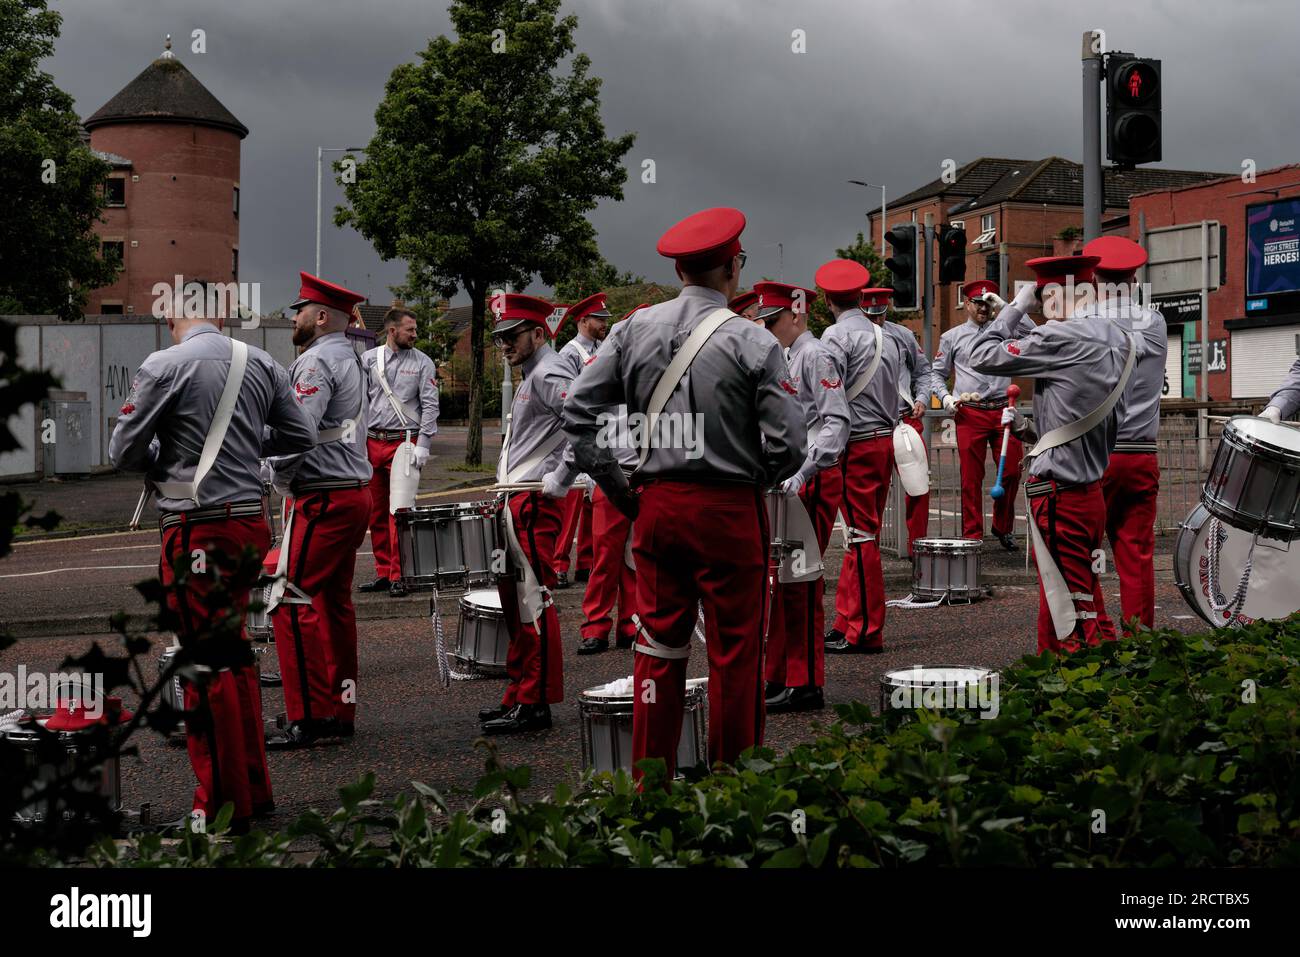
997, 491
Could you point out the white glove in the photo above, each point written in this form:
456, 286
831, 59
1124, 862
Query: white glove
1273, 414
266, 473
1008, 416
793, 485
553, 486
155, 449
994, 300
421, 456
950, 403
1026, 297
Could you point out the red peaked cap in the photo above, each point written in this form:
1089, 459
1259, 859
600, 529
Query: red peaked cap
877, 298
978, 287
73, 716
776, 296
593, 305
317, 290
1119, 258
743, 301
635, 309
1057, 269
705, 239
516, 309
842, 278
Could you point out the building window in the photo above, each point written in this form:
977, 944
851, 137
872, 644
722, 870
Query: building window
110, 309
234, 263
236, 202
115, 249
115, 191
986, 222
993, 268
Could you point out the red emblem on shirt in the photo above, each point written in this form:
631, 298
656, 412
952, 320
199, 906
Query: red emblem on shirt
305, 389
127, 409
789, 387
830, 383
590, 361
1013, 348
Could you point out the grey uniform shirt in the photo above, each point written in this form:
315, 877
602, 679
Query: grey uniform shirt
577, 352
537, 413
957, 345
1141, 422
174, 398
330, 386
1075, 365
821, 395
414, 381
1287, 398
851, 343
918, 379
734, 414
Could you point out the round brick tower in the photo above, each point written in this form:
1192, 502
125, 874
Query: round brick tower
175, 150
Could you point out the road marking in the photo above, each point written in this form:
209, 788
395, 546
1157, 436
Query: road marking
79, 568
124, 548
75, 538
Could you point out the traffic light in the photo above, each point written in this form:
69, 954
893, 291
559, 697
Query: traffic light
1132, 110
952, 254
902, 264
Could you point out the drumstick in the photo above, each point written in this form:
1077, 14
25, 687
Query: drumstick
516, 487
146, 493
997, 491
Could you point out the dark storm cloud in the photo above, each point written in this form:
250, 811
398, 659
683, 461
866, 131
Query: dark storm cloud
728, 113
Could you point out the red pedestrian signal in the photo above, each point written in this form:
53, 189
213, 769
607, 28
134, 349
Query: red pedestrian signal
1133, 122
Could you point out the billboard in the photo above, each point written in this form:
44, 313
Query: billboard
1272, 254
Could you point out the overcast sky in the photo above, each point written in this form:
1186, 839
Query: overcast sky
731, 116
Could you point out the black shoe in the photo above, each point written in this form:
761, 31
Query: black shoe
625, 641
379, 584
593, 646
771, 689
297, 734
520, 718
270, 679
488, 714
833, 635
1009, 542
345, 729
397, 590
806, 698
582, 576
561, 579
839, 646
871, 649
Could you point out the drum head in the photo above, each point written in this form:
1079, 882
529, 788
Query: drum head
620, 688
1272, 593
484, 598
948, 676
946, 545
1260, 431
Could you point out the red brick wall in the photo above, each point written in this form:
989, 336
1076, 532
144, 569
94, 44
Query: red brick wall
180, 212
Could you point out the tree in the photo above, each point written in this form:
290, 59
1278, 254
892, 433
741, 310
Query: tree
591, 278
862, 251
486, 158
51, 181
434, 332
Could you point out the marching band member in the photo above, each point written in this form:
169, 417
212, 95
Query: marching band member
870, 364
200, 452
746, 304
796, 663
533, 451
612, 579
403, 394
914, 391
976, 403
1131, 483
328, 492
729, 429
1285, 402
590, 316
1081, 367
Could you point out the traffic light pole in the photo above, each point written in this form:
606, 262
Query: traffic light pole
927, 299
1092, 194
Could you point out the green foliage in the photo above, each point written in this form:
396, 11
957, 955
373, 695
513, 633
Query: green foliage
49, 256
1159, 750
591, 278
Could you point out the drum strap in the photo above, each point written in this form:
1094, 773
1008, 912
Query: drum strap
216, 430
534, 597
676, 371
864, 380
794, 525
333, 435
1068, 433
276, 596
657, 649
404, 412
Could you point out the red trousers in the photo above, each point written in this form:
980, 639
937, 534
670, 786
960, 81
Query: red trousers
317, 643
1130, 487
696, 542
611, 580
576, 521
535, 659
223, 731
1072, 522
796, 655
918, 507
383, 526
860, 593
979, 431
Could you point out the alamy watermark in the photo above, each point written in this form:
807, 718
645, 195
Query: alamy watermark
25, 691
665, 430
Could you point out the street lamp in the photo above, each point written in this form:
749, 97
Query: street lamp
320, 151
857, 182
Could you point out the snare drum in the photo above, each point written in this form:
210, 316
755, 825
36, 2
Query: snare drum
936, 687
172, 692
41, 772
447, 546
1254, 481
483, 640
1274, 570
605, 715
946, 568
258, 623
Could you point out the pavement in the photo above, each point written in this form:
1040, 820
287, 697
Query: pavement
56, 595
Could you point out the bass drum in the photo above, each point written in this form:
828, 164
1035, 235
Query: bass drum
1274, 590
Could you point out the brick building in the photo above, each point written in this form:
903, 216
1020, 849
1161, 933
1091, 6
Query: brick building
1254, 333
1013, 211
173, 193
